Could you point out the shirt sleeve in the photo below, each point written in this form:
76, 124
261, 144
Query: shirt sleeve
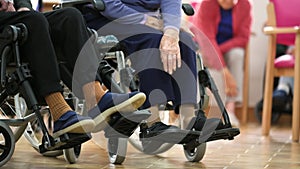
171, 13
116, 10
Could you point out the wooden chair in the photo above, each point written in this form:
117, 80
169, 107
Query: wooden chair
283, 28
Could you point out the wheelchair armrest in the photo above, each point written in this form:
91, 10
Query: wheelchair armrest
98, 4
188, 9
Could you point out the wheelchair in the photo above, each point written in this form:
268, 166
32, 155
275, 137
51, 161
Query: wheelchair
114, 62
24, 114
20, 108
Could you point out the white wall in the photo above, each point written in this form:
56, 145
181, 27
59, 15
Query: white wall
258, 51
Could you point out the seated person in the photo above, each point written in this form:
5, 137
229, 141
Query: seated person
162, 55
63, 34
227, 26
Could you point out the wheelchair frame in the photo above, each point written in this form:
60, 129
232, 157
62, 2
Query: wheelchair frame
18, 82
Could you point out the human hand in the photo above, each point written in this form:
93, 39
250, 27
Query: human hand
170, 51
7, 6
154, 22
230, 84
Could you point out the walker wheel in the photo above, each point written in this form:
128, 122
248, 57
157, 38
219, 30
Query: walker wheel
7, 143
117, 148
195, 154
71, 155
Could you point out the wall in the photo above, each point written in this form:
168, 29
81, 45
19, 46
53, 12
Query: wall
258, 51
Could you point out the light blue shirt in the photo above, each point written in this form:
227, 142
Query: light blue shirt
135, 11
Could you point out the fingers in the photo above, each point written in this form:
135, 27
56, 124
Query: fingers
164, 60
178, 59
170, 62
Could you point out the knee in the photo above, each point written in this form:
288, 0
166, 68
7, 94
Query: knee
34, 18
72, 16
236, 55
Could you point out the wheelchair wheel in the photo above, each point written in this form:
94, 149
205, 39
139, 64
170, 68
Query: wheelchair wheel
71, 155
258, 113
7, 143
196, 154
117, 148
14, 108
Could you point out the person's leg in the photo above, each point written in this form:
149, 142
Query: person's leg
180, 87
42, 59
235, 63
82, 61
283, 93
286, 84
186, 79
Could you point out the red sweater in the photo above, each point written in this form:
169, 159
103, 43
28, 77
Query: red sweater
206, 21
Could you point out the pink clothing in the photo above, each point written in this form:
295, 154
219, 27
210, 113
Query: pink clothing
206, 20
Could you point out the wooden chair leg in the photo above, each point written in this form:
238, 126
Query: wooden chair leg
268, 89
296, 97
245, 88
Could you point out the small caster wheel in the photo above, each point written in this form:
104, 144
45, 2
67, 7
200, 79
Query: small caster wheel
196, 154
71, 154
117, 148
7, 143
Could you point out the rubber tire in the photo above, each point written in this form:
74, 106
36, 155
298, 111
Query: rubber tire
8, 143
195, 155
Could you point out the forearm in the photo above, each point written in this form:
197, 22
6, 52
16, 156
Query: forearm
116, 10
171, 13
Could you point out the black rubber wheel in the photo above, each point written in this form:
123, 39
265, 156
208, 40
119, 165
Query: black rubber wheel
7, 143
196, 154
71, 154
117, 148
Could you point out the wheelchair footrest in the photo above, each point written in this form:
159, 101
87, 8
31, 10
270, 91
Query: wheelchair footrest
226, 134
174, 136
187, 136
124, 125
65, 141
